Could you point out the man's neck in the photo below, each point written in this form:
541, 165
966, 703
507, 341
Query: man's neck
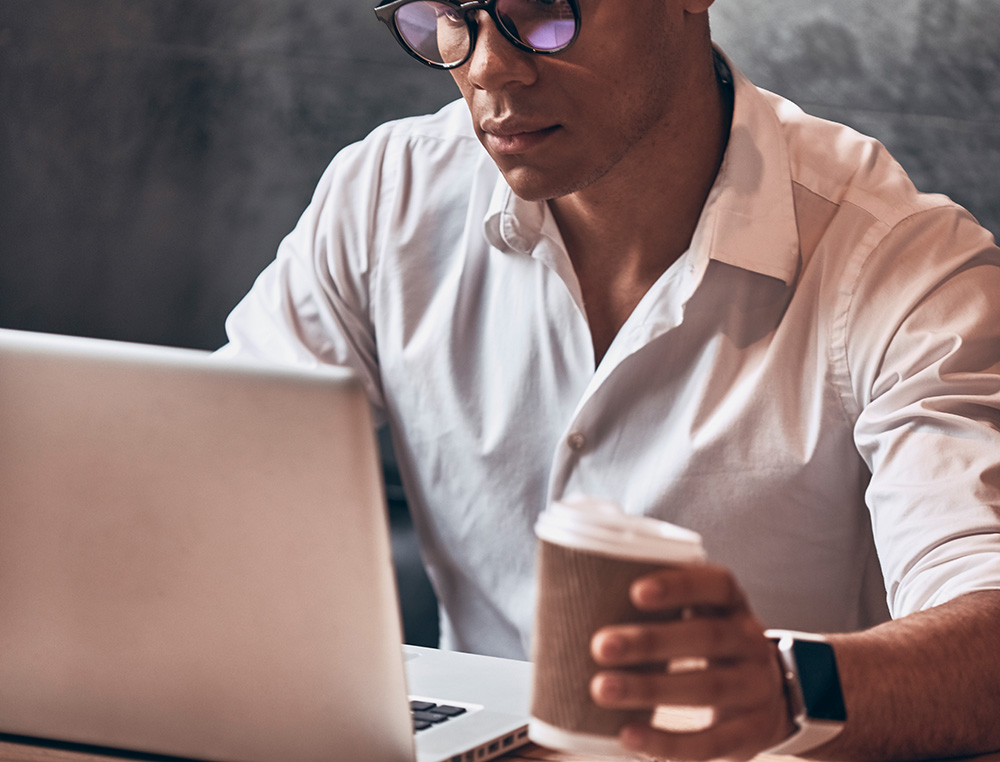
625, 230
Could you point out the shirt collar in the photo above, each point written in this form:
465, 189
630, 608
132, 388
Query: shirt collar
749, 217
513, 225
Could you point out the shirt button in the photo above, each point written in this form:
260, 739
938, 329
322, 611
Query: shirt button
576, 441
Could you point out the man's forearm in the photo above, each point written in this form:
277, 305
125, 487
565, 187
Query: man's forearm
926, 685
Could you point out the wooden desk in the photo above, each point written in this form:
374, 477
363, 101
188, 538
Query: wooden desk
20, 753
10, 752
532, 753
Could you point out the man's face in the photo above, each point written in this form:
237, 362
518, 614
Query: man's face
557, 124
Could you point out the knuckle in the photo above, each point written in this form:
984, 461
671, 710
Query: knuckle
646, 643
705, 745
733, 592
735, 735
636, 691
701, 688
648, 690
754, 633
757, 688
730, 687
688, 583
719, 637
717, 685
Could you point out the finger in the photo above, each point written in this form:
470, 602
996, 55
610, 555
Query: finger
706, 586
733, 638
729, 690
737, 738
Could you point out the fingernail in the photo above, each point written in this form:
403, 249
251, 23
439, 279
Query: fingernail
610, 687
612, 647
648, 593
632, 737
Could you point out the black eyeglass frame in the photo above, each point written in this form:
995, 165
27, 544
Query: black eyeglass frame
386, 13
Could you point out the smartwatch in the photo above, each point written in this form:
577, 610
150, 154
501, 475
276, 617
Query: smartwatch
812, 686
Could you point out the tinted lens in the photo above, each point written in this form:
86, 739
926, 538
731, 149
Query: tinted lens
434, 31
540, 24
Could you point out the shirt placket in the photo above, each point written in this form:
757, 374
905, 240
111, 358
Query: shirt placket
660, 311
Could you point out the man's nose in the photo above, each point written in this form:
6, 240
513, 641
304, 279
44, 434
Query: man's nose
495, 62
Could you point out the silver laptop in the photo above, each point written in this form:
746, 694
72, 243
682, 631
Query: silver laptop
195, 562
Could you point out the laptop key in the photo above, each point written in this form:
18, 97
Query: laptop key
426, 714
429, 717
448, 710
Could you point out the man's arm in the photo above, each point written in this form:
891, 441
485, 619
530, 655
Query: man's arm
926, 685
923, 685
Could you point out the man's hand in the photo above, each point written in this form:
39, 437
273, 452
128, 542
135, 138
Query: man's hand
721, 660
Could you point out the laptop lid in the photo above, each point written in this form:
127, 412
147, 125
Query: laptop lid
194, 558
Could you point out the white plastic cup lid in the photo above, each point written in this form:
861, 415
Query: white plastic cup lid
600, 526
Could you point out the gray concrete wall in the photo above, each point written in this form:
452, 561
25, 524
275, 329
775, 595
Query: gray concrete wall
154, 152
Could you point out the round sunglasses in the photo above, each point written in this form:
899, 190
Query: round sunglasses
442, 33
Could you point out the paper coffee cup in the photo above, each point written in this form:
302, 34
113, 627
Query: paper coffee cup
589, 553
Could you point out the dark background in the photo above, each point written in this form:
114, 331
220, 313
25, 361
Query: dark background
154, 152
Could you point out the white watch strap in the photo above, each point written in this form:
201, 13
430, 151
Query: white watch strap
811, 732
810, 735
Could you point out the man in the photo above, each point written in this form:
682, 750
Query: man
661, 286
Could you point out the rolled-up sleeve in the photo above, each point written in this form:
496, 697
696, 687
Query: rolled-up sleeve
923, 346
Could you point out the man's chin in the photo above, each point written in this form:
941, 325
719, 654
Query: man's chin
533, 185
536, 184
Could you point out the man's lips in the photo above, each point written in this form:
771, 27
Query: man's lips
510, 139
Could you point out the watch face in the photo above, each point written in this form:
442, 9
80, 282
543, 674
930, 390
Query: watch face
819, 680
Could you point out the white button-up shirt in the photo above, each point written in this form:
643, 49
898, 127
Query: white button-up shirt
814, 386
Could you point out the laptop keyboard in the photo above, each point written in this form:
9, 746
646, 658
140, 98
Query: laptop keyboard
427, 714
